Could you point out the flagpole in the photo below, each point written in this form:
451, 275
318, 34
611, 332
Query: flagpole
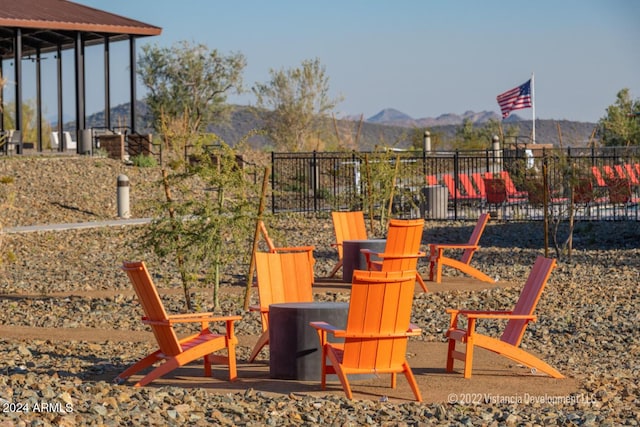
533, 109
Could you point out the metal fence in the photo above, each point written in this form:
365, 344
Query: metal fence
593, 183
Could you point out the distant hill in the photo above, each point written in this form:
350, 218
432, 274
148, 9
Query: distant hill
390, 116
389, 127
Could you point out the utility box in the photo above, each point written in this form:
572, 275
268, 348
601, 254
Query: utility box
85, 143
436, 202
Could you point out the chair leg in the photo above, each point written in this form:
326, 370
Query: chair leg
262, 341
421, 282
231, 355
138, 366
340, 373
468, 358
336, 268
412, 382
450, 358
158, 372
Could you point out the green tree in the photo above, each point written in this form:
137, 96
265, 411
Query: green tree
470, 137
297, 105
417, 139
191, 80
208, 213
621, 125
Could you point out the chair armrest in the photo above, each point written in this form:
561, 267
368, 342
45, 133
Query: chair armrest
295, 249
453, 246
420, 254
324, 326
414, 330
369, 252
258, 308
499, 315
479, 314
408, 333
191, 318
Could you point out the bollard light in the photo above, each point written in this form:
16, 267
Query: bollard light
427, 141
123, 197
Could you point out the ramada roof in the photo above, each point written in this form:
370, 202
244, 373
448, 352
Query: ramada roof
47, 24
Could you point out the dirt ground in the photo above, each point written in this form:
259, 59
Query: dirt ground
494, 377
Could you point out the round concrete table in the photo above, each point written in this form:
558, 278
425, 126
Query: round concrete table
294, 346
353, 259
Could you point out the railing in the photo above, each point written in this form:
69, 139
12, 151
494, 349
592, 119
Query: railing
320, 181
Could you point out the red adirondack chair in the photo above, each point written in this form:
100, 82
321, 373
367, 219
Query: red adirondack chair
437, 258
508, 345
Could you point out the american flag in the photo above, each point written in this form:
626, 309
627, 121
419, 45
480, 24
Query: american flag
515, 99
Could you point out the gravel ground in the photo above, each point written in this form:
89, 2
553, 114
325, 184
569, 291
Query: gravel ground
69, 280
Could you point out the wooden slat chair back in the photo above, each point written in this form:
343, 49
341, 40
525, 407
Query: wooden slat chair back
437, 258
402, 249
281, 249
508, 345
282, 277
377, 330
347, 226
175, 352
528, 300
153, 308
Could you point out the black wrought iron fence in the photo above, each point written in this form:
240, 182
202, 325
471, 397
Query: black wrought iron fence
592, 183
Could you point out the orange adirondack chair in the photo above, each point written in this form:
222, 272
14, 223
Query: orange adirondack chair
347, 226
273, 248
402, 250
437, 258
282, 277
177, 352
377, 330
509, 343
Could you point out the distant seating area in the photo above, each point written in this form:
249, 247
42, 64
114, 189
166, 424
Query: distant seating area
609, 187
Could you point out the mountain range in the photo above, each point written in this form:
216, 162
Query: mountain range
393, 117
389, 127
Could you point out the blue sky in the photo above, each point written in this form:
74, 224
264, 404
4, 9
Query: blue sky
422, 57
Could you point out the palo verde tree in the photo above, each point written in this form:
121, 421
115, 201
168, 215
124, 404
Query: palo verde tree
621, 125
296, 105
204, 215
189, 80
